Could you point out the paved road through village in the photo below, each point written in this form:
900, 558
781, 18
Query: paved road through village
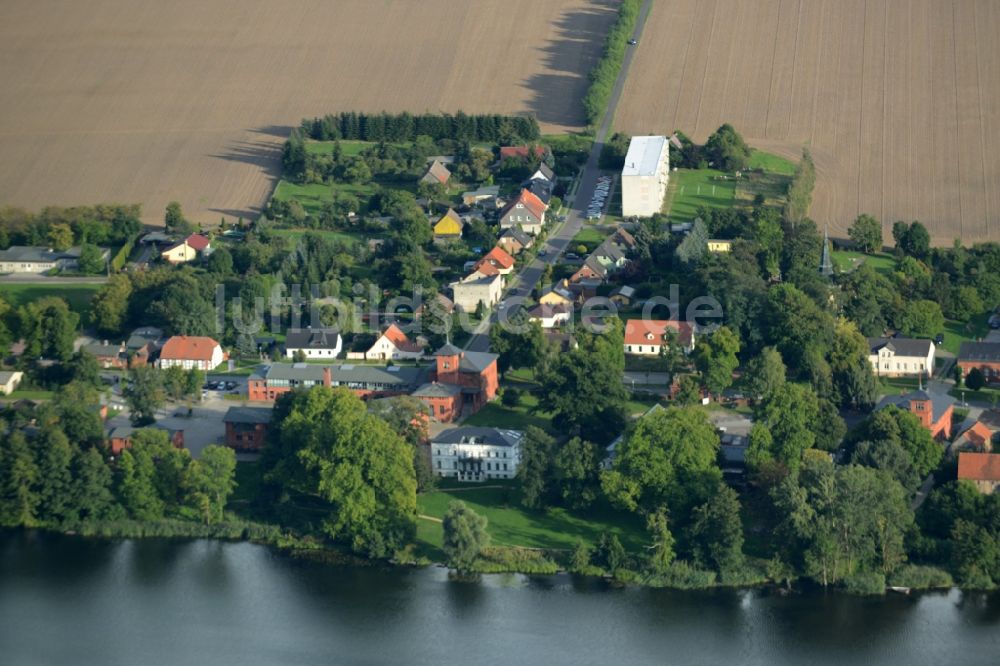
561, 235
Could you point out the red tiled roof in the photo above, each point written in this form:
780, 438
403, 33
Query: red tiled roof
519, 152
486, 268
188, 347
498, 257
638, 331
979, 434
979, 466
397, 337
534, 205
197, 242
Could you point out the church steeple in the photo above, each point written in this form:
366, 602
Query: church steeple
826, 263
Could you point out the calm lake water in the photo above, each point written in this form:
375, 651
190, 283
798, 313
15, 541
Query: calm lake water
65, 600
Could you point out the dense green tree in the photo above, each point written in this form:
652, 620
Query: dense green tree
975, 554
662, 553
465, 536
325, 443
866, 233
853, 379
975, 380
795, 324
536, 469
765, 373
136, 486
220, 262
611, 553
519, 349
53, 457
913, 240
48, 327
890, 456
869, 299
208, 482
91, 261
789, 415
91, 496
584, 389
576, 472
965, 303
175, 222
408, 418
60, 237
727, 150
688, 391
668, 459
903, 428
800, 189
715, 357
19, 474
144, 394
109, 307
921, 318
716, 533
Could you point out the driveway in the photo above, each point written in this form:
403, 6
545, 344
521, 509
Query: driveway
203, 427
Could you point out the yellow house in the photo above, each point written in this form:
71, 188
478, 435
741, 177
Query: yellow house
559, 294
716, 245
449, 226
179, 254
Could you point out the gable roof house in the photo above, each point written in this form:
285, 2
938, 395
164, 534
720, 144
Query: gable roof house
10, 380
591, 270
449, 226
557, 294
526, 211
246, 427
982, 469
191, 351
543, 172
901, 357
622, 295
499, 259
977, 437
187, 250
107, 355
521, 152
437, 173
314, 343
645, 337
142, 344
551, 316
513, 240
393, 344
610, 255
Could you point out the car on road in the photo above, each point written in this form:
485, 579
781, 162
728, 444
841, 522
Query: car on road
542, 252
571, 256
633, 42
994, 321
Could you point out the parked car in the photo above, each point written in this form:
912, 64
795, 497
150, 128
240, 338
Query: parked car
994, 321
939, 339
632, 42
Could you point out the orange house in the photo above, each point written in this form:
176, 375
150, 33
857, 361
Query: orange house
934, 413
474, 373
983, 469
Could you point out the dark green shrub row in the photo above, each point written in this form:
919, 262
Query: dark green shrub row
602, 77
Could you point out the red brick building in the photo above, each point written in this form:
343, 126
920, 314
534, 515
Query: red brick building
366, 381
475, 373
120, 438
934, 413
982, 355
444, 400
246, 427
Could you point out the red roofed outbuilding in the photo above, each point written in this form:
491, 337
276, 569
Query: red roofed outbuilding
982, 469
191, 351
499, 258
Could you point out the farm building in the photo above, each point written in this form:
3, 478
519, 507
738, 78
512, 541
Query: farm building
645, 175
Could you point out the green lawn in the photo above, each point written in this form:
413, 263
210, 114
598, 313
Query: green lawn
955, 333
768, 162
348, 148
78, 296
30, 394
847, 260
691, 189
296, 234
510, 524
496, 415
591, 236
312, 196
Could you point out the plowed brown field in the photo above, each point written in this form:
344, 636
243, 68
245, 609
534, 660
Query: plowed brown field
148, 101
899, 100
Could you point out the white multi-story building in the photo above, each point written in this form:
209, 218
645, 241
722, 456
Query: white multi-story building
476, 454
901, 357
645, 176
477, 288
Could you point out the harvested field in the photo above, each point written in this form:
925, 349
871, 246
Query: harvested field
898, 99
149, 101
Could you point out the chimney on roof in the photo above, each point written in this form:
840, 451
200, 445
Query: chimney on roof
327, 377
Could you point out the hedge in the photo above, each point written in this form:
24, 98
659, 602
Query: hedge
118, 262
605, 72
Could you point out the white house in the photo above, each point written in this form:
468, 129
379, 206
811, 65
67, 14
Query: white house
901, 357
645, 337
393, 344
30, 259
551, 316
476, 454
322, 343
645, 175
9, 381
191, 351
476, 288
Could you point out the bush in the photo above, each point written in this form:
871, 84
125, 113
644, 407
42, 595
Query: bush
683, 576
748, 574
920, 577
865, 582
514, 560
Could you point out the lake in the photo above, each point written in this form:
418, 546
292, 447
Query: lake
66, 600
